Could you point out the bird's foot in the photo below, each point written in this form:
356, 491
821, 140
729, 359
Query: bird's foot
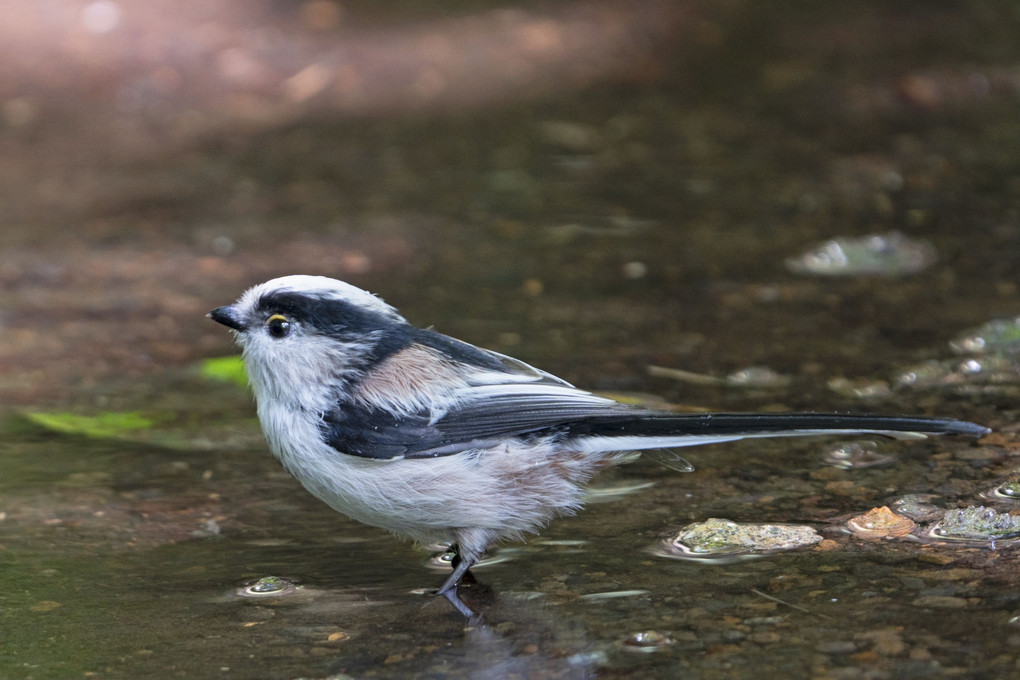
451, 595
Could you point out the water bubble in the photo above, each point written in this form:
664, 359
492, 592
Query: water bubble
647, 641
930, 373
269, 586
851, 455
1006, 492
443, 561
1009, 489
992, 368
987, 370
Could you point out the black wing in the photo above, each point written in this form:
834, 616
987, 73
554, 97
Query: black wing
485, 418
488, 415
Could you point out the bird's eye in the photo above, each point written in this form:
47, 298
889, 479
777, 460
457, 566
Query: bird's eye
278, 326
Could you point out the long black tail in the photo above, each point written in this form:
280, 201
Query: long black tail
777, 423
642, 431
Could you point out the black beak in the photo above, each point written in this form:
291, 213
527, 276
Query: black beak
228, 316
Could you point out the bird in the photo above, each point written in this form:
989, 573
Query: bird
443, 442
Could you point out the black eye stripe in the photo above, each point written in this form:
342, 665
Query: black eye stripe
340, 320
326, 315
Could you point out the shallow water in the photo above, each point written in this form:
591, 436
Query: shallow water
593, 234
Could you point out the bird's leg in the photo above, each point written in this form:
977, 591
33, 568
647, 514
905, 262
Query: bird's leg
461, 565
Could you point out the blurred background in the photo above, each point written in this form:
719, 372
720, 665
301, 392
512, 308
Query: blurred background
699, 204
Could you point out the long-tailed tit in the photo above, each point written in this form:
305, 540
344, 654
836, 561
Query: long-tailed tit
443, 442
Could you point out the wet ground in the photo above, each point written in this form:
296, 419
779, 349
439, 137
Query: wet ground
632, 236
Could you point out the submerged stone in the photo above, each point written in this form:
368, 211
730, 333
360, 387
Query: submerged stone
889, 254
860, 388
647, 640
1009, 489
918, 507
880, 523
996, 336
715, 537
991, 369
757, 376
977, 524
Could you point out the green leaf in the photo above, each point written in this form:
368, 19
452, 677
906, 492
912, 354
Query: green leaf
225, 369
102, 426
